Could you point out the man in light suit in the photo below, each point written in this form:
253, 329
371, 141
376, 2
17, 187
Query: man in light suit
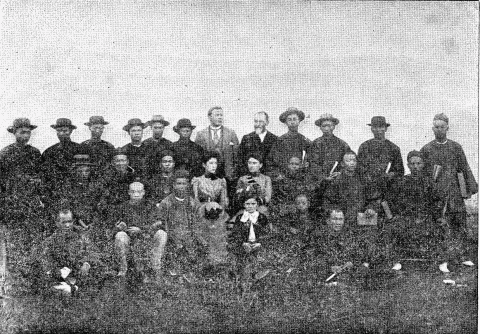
219, 138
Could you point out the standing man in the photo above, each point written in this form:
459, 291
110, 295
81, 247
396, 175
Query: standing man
136, 150
156, 144
380, 162
57, 160
291, 144
260, 141
327, 149
187, 154
453, 179
101, 151
219, 138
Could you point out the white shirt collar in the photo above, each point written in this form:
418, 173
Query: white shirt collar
262, 136
215, 128
179, 199
253, 217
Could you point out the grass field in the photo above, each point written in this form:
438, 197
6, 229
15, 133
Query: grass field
414, 301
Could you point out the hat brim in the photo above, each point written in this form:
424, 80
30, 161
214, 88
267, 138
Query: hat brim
164, 122
12, 129
386, 124
128, 127
319, 121
285, 114
177, 129
55, 126
90, 124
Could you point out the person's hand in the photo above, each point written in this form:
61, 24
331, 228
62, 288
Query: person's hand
293, 230
85, 268
369, 213
157, 225
247, 247
336, 269
280, 177
121, 226
255, 246
332, 176
64, 272
390, 175
133, 229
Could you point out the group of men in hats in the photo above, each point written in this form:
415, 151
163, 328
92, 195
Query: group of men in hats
102, 175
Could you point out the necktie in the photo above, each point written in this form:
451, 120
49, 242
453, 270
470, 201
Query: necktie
216, 137
251, 234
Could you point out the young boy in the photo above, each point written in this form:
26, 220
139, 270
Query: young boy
246, 239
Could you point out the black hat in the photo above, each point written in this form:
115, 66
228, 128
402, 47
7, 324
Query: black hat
326, 117
379, 121
159, 119
82, 160
63, 122
96, 120
414, 153
183, 123
20, 123
290, 111
134, 122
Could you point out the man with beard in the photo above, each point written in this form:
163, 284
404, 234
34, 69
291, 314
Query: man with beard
259, 140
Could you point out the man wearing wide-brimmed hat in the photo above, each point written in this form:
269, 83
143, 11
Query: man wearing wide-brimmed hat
101, 151
328, 150
380, 162
135, 150
291, 144
187, 154
57, 159
156, 144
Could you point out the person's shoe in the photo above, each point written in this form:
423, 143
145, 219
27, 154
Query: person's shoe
261, 274
443, 267
468, 263
397, 266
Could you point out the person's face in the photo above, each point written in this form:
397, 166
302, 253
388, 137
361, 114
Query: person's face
260, 122
416, 164
254, 165
251, 205
65, 220
64, 132
216, 117
185, 133
120, 162
336, 221
302, 204
350, 162
379, 131
211, 165
22, 135
294, 164
157, 129
97, 130
293, 121
167, 164
180, 187
440, 129
327, 128
83, 172
136, 192
136, 133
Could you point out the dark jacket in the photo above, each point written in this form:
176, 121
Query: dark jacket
251, 143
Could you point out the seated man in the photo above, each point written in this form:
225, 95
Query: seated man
68, 259
138, 234
160, 184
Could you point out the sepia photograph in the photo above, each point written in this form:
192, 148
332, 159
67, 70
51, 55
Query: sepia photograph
239, 166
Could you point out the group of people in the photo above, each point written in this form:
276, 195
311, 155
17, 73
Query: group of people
217, 205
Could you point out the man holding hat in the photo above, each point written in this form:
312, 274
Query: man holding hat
291, 144
101, 151
57, 160
156, 144
328, 150
135, 150
187, 154
379, 162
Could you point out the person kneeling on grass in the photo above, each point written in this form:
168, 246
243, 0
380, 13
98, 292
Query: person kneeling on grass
138, 233
247, 239
68, 258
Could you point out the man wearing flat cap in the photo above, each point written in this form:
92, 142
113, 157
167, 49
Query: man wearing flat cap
291, 144
58, 159
101, 151
326, 151
135, 150
453, 179
156, 144
186, 153
380, 162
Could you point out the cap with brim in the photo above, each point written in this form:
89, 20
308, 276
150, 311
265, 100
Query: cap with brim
82, 160
96, 120
378, 121
441, 117
326, 117
158, 119
414, 153
183, 123
290, 111
134, 122
20, 123
63, 123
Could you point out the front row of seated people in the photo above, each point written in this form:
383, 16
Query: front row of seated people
189, 229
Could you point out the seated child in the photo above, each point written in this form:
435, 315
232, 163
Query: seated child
138, 236
246, 240
68, 259
257, 180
